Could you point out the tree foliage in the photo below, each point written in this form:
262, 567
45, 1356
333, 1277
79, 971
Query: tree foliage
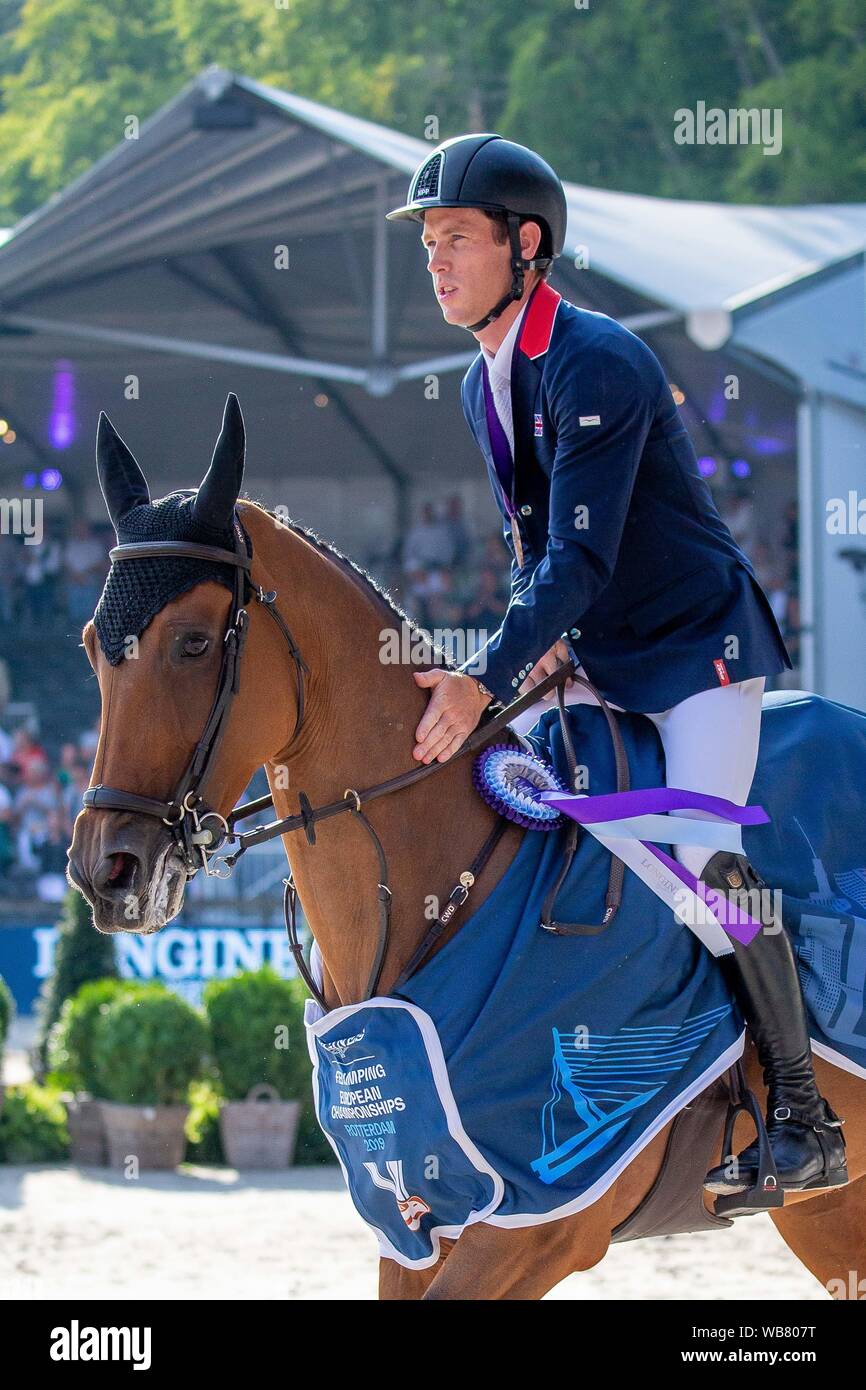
592, 84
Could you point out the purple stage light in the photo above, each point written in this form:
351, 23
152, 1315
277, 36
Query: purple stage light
766, 445
61, 426
50, 479
741, 469
707, 466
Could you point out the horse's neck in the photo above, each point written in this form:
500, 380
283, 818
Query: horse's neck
358, 730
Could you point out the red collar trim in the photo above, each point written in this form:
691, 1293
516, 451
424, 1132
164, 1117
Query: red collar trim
538, 320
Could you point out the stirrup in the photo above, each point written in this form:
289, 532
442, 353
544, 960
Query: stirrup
766, 1192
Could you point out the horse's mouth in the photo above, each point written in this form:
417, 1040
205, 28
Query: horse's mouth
143, 911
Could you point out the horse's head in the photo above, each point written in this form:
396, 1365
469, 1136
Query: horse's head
158, 645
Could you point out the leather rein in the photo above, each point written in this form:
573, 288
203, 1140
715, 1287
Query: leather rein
187, 813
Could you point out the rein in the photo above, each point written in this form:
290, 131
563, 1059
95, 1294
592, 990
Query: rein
186, 811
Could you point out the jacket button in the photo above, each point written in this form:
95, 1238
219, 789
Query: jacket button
515, 682
575, 632
526, 510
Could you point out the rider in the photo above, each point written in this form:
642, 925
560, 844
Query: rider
610, 524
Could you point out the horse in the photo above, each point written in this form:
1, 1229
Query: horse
356, 728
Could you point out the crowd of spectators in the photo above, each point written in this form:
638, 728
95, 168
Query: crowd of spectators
60, 579
53, 584
39, 800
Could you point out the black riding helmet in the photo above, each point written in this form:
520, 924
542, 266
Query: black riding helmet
486, 171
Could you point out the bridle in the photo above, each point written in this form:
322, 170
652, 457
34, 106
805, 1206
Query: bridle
186, 812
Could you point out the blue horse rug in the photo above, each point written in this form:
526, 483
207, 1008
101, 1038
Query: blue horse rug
519, 1072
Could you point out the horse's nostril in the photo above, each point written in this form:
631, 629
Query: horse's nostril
115, 873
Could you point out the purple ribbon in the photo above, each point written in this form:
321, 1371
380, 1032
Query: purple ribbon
651, 800
595, 810
735, 921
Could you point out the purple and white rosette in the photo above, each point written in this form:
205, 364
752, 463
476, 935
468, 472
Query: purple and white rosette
512, 782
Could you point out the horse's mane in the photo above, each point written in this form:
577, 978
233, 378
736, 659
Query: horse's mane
359, 576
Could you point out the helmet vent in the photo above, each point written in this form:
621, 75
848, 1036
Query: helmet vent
427, 183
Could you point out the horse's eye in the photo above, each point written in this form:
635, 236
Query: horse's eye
194, 646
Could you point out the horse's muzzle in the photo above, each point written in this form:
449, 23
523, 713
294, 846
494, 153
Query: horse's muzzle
129, 871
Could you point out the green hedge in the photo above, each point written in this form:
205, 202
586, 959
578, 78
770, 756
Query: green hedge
70, 1042
257, 1030
137, 1061
147, 1048
33, 1126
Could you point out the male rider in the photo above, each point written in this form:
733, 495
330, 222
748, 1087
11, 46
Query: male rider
611, 526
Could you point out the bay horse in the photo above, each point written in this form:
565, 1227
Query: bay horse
357, 729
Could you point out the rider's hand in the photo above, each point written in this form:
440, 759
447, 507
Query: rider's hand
545, 666
453, 710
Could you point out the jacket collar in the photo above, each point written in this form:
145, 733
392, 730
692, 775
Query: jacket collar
537, 327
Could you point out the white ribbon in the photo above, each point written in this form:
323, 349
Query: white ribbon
691, 910
676, 830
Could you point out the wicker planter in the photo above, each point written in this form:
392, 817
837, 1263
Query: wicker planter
259, 1132
152, 1134
86, 1130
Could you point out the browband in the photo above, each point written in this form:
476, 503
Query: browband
190, 550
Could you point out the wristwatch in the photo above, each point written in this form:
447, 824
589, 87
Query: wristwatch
489, 693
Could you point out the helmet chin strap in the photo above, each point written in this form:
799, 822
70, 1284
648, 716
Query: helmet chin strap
518, 267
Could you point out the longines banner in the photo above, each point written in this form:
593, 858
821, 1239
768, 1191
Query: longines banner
183, 957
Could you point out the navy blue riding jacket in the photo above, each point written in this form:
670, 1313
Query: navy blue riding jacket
625, 553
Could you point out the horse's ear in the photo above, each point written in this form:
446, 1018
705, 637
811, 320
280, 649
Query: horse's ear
122, 481
218, 490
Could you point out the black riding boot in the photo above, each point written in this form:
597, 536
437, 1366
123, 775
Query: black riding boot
803, 1131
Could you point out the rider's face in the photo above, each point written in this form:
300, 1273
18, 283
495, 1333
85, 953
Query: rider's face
470, 270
